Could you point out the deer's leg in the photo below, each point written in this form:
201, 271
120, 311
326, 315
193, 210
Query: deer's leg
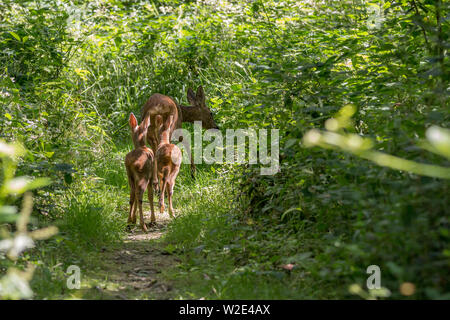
162, 193
192, 167
131, 214
155, 176
154, 147
172, 178
170, 189
160, 183
135, 208
139, 195
150, 199
191, 156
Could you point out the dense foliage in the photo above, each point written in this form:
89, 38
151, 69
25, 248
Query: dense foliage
72, 71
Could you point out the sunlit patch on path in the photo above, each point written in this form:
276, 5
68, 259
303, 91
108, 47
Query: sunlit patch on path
155, 231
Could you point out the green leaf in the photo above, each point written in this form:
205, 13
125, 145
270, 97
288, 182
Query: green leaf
16, 36
236, 87
290, 210
20, 185
49, 154
39, 183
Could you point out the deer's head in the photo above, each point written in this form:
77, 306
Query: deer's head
138, 132
204, 113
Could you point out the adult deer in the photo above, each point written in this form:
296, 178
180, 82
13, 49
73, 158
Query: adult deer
158, 105
139, 166
165, 106
168, 157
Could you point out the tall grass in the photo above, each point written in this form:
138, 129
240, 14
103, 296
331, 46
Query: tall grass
92, 215
225, 254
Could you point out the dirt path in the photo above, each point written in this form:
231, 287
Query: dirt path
132, 269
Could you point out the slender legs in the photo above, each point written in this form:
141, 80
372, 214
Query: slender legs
154, 146
150, 199
170, 189
167, 184
155, 175
192, 167
171, 184
139, 195
136, 196
132, 213
161, 195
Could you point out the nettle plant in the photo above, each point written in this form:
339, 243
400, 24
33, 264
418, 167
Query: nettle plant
15, 237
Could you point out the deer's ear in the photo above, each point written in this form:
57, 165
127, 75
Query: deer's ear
170, 121
146, 123
200, 95
133, 121
191, 96
158, 120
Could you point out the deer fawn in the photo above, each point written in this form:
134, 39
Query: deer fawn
139, 165
168, 157
159, 104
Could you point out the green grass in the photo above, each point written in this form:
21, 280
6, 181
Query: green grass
224, 254
67, 93
227, 255
91, 214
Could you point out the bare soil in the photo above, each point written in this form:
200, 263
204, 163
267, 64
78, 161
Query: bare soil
133, 269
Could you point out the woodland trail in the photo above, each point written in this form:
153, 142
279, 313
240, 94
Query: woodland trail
133, 268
